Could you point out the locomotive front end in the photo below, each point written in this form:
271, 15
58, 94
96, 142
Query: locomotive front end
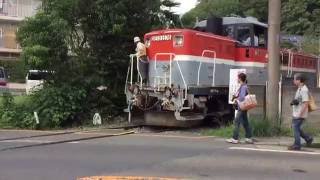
165, 93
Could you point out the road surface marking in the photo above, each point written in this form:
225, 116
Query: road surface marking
272, 150
124, 178
26, 141
173, 136
35, 141
30, 131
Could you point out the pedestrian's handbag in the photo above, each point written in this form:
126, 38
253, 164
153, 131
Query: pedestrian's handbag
312, 106
249, 102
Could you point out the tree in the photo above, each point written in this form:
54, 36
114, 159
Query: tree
86, 44
43, 40
301, 17
255, 8
207, 8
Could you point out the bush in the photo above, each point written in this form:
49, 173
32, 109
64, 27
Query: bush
14, 115
58, 106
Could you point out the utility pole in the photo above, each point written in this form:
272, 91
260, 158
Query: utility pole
272, 104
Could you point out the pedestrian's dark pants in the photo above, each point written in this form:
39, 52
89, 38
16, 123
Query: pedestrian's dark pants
241, 118
144, 68
296, 125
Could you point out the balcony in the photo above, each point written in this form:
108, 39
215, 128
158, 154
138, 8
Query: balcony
13, 10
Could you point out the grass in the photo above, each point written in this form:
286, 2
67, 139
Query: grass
260, 128
18, 100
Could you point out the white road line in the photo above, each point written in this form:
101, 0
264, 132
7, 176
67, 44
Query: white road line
272, 150
27, 141
36, 141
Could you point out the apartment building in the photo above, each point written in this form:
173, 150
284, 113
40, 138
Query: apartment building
12, 13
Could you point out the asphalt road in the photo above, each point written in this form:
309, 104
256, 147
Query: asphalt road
185, 157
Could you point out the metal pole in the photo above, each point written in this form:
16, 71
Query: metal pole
274, 61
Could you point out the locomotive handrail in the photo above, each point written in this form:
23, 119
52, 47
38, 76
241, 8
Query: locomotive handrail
214, 66
170, 66
172, 55
130, 71
282, 63
184, 82
292, 61
290, 64
131, 64
139, 73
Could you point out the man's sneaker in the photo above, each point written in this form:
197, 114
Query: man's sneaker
294, 148
249, 141
232, 141
309, 142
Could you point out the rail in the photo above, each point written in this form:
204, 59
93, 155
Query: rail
214, 66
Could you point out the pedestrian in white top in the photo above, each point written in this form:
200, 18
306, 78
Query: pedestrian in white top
300, 112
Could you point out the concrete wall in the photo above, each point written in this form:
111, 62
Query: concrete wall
288, 93
259, 91
287, 97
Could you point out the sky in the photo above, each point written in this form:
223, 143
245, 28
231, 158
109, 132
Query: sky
185, 6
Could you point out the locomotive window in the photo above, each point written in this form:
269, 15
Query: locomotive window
243, 33
229, 31
261, 33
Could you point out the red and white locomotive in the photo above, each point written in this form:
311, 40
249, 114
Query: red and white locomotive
189, 70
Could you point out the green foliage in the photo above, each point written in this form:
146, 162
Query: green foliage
311, 44
208, 8
301, 17
58, 105
15, 114
225, 132
42, 38
86, 44
255, 8
298, 16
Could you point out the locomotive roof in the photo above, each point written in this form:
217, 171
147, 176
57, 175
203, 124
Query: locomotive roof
169, 31
236, 20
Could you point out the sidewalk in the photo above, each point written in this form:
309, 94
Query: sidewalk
281, 143
17, 86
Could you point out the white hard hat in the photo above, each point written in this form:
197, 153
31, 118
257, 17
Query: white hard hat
136, 39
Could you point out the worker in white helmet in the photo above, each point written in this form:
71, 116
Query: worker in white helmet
141, 53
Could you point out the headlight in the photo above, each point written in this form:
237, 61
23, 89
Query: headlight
178, 41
